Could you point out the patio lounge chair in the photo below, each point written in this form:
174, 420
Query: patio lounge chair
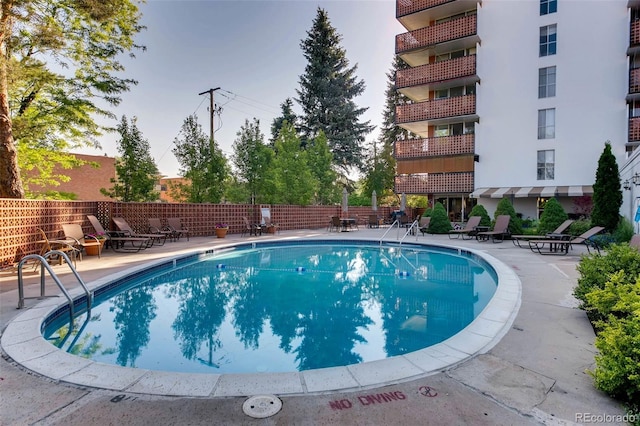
250, 228
266, 222
48, 245
156, 227
556, 233
175, 224
128, 231
500, 230
374, 222
562, 246
74, 235
423, 224
119, 242
469, 230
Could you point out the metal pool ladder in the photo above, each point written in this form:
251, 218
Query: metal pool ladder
45, 265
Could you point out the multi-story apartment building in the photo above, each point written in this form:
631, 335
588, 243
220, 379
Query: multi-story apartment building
513, 98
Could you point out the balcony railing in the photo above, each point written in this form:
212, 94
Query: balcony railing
634, 129
407, 7
444, 145
634, 33
434, 34
435, 183
436, 72
634, 80
439, 108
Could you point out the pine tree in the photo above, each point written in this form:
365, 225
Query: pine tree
479, 210
552, 216
327, 89
287, 116
607, 196
136, 170
505, 207
439, 223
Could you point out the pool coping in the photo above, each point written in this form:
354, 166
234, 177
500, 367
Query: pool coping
23, 342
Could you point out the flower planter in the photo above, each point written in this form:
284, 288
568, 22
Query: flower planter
221, 232
271, 229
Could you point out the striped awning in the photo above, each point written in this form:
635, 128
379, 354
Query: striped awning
533, 191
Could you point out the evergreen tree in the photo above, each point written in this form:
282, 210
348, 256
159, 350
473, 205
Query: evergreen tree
506, 208
552, 216
253, 162
479, 210
327, 89
439, 223
295, 183
203, 164
287, 116
320, 163
57, 57
607, 196
136, 170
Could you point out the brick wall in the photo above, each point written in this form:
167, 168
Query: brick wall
21, 219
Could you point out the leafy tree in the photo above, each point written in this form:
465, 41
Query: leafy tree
320, 163
57, 57
201, 162
506, 208
607, 196
136, 170
252, 160
287, 116
295, 183
479, 210
439, 223
327, 89
552, 216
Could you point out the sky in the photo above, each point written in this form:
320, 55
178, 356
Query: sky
251, 51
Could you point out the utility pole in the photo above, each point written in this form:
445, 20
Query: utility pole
211, 112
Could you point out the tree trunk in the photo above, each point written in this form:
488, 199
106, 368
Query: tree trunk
10, 182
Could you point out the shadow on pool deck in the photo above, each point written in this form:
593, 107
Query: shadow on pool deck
535, 375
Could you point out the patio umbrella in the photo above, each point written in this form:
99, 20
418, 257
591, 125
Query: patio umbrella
345, 201
374, 201
403, 202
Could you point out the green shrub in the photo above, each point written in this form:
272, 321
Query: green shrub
439, 223
552, 216
579, 227
506, 208
618, 341
479, 210
624, 231
596, 269
427, 212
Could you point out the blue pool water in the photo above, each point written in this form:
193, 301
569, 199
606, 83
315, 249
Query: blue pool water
281, 307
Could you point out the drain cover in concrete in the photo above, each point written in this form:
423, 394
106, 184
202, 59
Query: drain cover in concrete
261, 406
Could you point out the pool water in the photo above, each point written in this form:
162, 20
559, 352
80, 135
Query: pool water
282, 308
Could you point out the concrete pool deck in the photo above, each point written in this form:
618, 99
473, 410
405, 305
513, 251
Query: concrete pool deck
526, 368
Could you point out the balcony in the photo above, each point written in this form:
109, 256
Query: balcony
415, 47
435, 183
416, 83
634, 85
634, 130
419, 116
430, 147
414, 14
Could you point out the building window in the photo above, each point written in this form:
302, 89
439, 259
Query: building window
548, 6
548, 40
547, 123
547, 82
546, 164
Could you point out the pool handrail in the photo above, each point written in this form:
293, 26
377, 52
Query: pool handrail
389, 229
413, 225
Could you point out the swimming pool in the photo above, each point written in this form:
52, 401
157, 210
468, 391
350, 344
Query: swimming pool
22, 341
281, 308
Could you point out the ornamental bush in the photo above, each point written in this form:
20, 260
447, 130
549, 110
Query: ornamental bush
440, 223
479, 210
552, 216
506, 208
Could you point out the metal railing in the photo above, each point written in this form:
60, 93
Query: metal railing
44, 264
